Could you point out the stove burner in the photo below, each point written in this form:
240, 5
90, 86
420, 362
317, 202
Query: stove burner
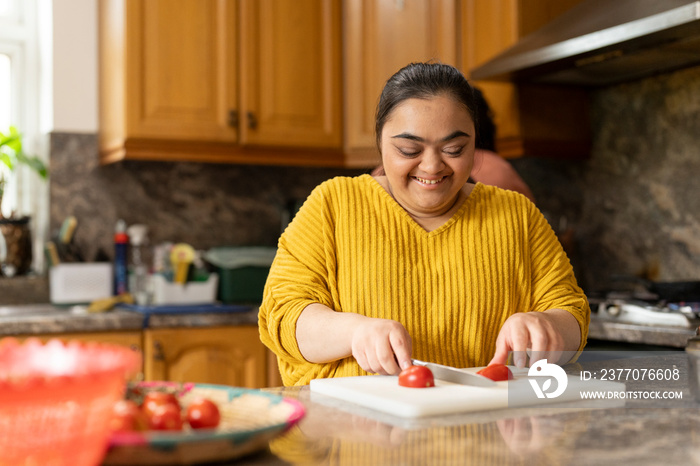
634, 307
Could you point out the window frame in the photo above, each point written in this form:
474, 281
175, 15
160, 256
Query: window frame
23, 37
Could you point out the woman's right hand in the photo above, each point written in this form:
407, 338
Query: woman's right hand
381, 346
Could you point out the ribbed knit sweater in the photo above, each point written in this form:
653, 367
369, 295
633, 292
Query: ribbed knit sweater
353, 248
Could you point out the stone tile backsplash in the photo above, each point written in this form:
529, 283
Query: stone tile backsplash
204, 205
632, 207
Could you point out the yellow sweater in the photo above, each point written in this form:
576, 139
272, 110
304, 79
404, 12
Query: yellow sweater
354, 249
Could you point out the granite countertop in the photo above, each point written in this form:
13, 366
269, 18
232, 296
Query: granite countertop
641, 433
45, 318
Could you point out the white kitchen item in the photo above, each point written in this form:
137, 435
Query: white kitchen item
166, 292
80, 282
384, 394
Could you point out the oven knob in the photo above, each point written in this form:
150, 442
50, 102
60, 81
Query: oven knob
614, 310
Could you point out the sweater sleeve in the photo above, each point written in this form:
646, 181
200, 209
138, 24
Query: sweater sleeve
554, 285
302, 273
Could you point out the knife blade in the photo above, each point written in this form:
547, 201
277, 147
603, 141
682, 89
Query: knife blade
451, 374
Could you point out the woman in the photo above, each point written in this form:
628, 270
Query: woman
489, 167
418, 263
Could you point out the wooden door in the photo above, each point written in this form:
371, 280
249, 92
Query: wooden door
181, 69
232, 355
488, 28
530, 120
291, 73
380, 38
130, 338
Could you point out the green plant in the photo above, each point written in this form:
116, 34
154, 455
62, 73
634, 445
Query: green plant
12, 155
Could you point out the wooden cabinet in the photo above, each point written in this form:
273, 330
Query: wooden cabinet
129, 338
132, 339
380, 37
258, 81
530, 119
229, 355
221, 81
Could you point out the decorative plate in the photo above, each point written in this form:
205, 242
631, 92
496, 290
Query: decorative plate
249, 420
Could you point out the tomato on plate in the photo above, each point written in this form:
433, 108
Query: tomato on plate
127, 417
153, 399
496, 372
203, 413
165, 417
416, 377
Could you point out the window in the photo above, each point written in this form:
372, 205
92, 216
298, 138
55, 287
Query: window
23, 28
5, 90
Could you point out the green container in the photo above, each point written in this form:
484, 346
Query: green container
242, 272
242, 285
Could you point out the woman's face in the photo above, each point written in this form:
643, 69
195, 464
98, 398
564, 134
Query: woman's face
428, 153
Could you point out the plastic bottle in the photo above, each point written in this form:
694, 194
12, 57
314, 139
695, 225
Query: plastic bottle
138, 270
121, 246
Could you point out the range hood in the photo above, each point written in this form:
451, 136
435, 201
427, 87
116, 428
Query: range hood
603, 42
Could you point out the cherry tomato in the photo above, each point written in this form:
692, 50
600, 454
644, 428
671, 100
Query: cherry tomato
127, 417
416, 377
165, 417
154, 399
496, 372
203, 413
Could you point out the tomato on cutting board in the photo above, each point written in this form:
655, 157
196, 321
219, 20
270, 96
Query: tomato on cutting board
416, 377
496, 372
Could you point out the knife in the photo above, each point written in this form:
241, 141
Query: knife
451, 374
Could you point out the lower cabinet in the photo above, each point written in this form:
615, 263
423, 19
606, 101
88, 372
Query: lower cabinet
229, 355
132, 339
226, 355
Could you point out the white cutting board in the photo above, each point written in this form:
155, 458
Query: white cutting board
383, 393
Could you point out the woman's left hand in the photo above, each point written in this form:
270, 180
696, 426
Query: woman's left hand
546, 334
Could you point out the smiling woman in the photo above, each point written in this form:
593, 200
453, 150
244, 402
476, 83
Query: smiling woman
376, 270
428, 154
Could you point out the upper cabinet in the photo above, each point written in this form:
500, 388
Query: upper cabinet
296, 82
530, 119
221, 81
289, 82
380, 37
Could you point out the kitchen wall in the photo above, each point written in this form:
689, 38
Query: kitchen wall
633, 207
204, 205
630, 209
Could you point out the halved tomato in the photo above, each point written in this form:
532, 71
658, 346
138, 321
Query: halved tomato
496, 372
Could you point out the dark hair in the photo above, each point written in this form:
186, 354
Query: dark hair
486, 134
422, 81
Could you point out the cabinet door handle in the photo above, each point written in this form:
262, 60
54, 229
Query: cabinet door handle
158, 354
233, 118
252, 121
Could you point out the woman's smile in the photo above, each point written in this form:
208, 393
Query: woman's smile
428, 154
429, 181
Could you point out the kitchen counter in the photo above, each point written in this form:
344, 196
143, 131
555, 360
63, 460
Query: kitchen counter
611, 330
337, 432
45, 318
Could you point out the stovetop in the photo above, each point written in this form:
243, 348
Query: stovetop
644, 308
